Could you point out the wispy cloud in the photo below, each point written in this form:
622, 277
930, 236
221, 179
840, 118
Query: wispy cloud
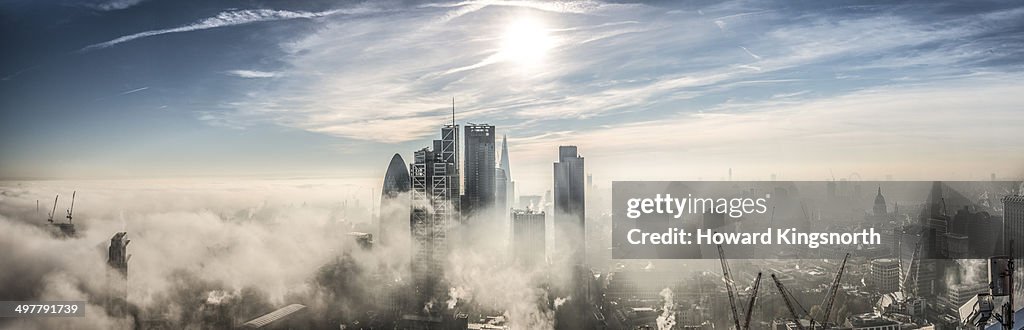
116, 4
755, 56
134, 90
227, 18
252, 74
605, 61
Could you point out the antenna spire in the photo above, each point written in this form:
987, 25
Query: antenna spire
453, 111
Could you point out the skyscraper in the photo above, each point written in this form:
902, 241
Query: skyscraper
569, 207
528, 236
117, 273
435, 191
504, 157
479, 167
394, 203
504, 186
1013, 224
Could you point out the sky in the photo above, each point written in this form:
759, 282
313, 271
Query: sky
918, 90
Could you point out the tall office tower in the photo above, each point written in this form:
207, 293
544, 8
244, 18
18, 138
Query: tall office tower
569, 207
479, 167
528, 237
394, 204
1013, 224
117, 273
435, 206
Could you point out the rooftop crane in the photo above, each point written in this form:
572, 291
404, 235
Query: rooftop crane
72, 209
50, 218
750, 305
830, 297
790, 301
727, 277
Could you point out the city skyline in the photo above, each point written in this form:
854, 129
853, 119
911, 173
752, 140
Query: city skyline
260, 90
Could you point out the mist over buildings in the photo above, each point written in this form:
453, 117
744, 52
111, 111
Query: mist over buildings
244, 248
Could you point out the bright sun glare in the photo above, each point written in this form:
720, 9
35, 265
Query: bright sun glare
526, 41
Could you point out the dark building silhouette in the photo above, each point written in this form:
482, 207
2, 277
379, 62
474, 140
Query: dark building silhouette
980, 228
117, 273
435, 206
394, 202
528, 237
569, 206
479, 167
396, 179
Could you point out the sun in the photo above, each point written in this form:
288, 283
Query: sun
526, 41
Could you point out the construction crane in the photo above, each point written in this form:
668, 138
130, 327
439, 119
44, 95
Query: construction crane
830, 297
72, 209
727, 277
914, 257
750, 305
791, 303
50, 218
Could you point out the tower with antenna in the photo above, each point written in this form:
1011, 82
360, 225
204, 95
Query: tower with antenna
435, 208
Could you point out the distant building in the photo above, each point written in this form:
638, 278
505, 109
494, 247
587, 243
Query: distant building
505, 187
394, 203
458, 321
885, 275
879, 209
980, 229
958, 294
293, 316
434, 176
479, 167
528, 237
364, 240
504, 165
871, 321
569, 207
532, 202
